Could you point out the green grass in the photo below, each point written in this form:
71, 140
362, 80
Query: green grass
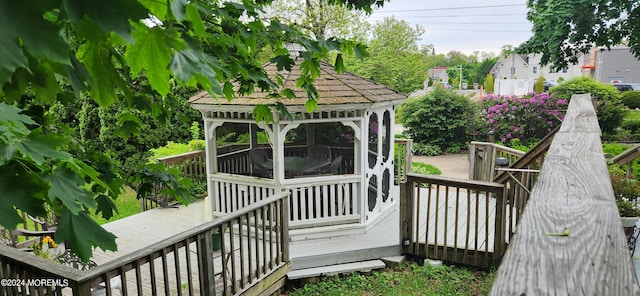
423, 168
127, 205
410, 279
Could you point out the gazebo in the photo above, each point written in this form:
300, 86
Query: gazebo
346, 187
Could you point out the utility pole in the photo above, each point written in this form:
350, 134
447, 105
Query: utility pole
433, 66
460, 80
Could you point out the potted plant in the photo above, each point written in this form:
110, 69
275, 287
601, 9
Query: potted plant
629, 212
626, 191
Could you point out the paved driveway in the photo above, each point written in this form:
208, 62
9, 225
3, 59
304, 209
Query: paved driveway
451, 165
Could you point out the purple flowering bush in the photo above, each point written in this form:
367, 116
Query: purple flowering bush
527, 118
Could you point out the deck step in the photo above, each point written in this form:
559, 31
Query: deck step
336, 269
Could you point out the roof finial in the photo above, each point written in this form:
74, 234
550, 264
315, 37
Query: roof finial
294, 49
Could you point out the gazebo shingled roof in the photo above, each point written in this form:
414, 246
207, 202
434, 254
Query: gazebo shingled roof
333, 89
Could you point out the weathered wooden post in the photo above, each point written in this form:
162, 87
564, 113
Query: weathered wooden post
570, 240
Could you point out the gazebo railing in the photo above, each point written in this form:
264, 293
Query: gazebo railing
324, 200
314, 201
231, 192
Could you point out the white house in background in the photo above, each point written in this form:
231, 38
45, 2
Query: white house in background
516, 66
516, 74
438, 75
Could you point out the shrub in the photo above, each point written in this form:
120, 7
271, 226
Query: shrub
426, 149
538, 87
632, 125
526, 118
442, 119
610, 109
631, 99
488, 83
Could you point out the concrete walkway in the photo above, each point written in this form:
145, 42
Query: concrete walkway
451, 165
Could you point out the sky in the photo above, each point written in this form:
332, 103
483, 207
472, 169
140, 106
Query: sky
463, 25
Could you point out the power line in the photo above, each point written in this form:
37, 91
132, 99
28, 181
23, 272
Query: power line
471, 23
462, 15
452, 8
475, 30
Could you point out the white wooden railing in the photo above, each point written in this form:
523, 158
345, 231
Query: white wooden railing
321, 201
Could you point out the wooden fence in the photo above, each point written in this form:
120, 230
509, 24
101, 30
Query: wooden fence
570, 240
402, 165
482, 159
192, 164
253, 257
454, 220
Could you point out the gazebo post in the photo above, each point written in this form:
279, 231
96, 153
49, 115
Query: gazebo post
253, 136
311, 135
363, 156
211, 152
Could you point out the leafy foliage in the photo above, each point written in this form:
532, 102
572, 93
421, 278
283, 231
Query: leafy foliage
631, 99
626, 191
528, 118
119, 62
441, 118
321, 18
538, 87
394, 59
565, 28
610, 109
489, 84
409, 279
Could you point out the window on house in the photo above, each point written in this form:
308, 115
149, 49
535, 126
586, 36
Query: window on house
513, 70
535, 70
565, 70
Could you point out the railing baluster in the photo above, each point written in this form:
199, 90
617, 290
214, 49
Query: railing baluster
455, 230
138, 277
176, 264
437, 218
468, 230
249, 253
264, 240
270, 230
476, 231
241, 251
428, 214
232, 257
487, 198
445, 225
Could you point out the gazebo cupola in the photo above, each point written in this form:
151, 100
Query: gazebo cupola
337, 161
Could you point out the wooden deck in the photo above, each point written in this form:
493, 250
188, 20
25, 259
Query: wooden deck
150, 227
450, 211
323, 246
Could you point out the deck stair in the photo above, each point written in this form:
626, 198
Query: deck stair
363, 266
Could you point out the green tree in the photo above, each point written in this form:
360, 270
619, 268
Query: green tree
488, 84
63, 50
538, 87
563, 29
321, 18
611, 111
395, 58
484, 68
441, 119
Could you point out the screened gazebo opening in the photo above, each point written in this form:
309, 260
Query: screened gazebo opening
234, 145
319, 149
